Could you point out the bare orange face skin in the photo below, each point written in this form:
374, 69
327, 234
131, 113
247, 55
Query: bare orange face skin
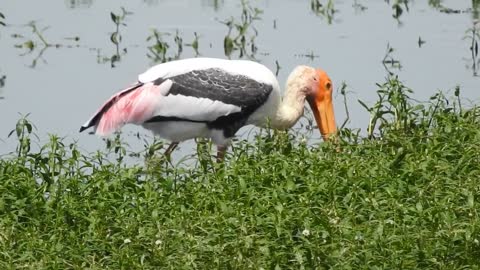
321, 102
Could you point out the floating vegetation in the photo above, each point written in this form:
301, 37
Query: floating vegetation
194, 44
398, 7
38, 42
241, 35
420, 42
326, 11
358, 6
310, 55
78, 3
390, 62
159, 50
215, 4
116, 38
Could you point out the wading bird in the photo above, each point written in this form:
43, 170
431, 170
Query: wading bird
214, 98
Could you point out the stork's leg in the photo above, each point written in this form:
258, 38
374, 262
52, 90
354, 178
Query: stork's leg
221, 149
170, 149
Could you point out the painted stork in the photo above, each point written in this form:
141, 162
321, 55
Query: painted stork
214, 98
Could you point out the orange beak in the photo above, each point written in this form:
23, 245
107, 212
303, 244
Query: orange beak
322, 105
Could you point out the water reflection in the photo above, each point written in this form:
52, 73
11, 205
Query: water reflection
389, 62
215, 4
36, 42
247, 32
473, 37
2, 84
475, 9
159, 48
78, 3
151, 2
116, 38
242, 33
2, 18
325, 11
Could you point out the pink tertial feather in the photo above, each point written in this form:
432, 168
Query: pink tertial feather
134, 105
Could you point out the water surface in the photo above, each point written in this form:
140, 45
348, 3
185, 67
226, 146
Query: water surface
61, 87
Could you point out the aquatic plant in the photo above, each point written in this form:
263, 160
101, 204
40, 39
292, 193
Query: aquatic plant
3, 78
195, 44
389, 62
405, 198
241, 35
2, 17
327, 11
116, 38
38, 42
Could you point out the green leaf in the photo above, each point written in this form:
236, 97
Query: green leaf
114, 38
228, 45
364, 105
470, 200
114, 17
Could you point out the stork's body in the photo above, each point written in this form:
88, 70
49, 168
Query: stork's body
210, 98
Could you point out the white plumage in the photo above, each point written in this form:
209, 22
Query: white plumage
213, 98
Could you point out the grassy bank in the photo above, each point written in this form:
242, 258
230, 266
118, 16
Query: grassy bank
406, 195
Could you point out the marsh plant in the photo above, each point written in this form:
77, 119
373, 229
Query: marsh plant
389, 62
158, 51
326, 10
398, 7
241, 34
36, 41
195, 44
2, 18
403, 197
116, 37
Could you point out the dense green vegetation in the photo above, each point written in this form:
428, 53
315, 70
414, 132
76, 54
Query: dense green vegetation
405, 195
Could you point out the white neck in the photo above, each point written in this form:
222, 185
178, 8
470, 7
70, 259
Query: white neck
292, 106
290, 110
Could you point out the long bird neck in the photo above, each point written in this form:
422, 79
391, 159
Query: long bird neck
291, 108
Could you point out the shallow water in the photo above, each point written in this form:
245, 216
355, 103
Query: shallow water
67, 84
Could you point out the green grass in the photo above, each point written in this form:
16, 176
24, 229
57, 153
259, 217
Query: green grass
404, 196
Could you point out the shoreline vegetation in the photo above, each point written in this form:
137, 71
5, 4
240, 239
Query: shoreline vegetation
402, 194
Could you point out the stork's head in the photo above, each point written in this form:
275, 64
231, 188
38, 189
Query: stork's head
316, 87
321, 102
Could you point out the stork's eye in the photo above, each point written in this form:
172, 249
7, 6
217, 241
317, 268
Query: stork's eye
328, 85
